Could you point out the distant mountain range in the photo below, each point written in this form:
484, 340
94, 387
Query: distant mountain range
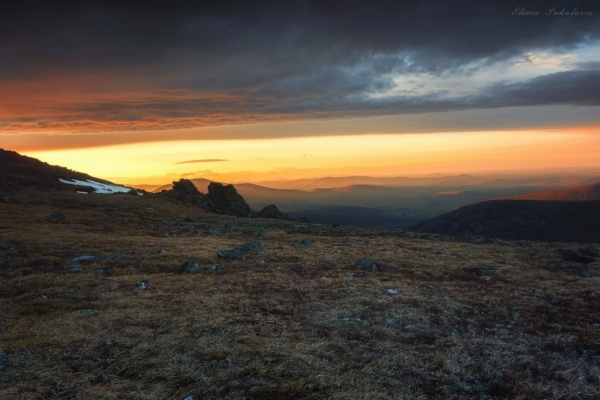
549, 215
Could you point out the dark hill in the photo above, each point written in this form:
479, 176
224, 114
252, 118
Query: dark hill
580, 193
361, 217
570, 221
17, 171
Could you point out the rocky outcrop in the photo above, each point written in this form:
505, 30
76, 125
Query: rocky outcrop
272, 212
221, 199
185, 191
224, 199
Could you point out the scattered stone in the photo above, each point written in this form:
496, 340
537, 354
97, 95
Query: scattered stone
191, 265
369, 264
304, 244
408, 328
84, 259
189, 398
390, 321
12, 252
224, 364
482, 270
76, 270
353, 320
18, 282
272, 212
260, 262
3, 360
214, 267
44, 297
349, 274
99, 271
258, 232
89, 311
592, 250
143, 286
55, 218
392, 291
577, 255
240, 252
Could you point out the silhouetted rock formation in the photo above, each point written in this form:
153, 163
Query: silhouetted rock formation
272, 212
224, 199
185, 191
221, 199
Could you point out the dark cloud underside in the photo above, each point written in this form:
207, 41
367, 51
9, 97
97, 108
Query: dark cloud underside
156, 65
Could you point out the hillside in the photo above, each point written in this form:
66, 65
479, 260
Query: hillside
150, 297
580, 193
576, 221
20, 171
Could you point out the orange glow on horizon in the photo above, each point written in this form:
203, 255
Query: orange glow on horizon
257, 160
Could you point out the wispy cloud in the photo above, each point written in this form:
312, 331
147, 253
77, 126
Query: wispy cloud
208, 160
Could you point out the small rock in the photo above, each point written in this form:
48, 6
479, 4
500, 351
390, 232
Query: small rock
84, 259
304, 243
272, 212
369, 264
191, 265
55, 218
99, 271
260, 262
408, 328
392, 291
18, 282
89, 311
213, 267
143, 286
3, 360
257, 232
189, 398
12, 252
482, 271
76, 270
592, 250
240, 252
577, 255
44, 297
349, 274
225, 364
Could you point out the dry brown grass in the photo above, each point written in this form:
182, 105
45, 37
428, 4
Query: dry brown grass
294, 327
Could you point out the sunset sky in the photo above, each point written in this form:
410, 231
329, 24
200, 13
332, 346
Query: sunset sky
146, 92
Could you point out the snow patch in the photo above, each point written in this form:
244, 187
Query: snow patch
98, 187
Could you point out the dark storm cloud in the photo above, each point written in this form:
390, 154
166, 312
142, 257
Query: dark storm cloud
275, 59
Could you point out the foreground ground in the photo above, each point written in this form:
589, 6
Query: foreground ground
461, 318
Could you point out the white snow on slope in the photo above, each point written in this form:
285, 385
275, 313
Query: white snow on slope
98, 187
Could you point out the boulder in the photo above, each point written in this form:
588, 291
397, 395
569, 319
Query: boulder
191, 265
240, 252
272, 212
224, 199
55, 218
185, 190
369, 264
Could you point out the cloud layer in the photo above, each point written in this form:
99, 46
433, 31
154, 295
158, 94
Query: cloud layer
85, 66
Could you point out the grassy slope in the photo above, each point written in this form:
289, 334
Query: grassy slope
294, 327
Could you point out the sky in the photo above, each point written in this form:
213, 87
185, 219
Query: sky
148, 91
